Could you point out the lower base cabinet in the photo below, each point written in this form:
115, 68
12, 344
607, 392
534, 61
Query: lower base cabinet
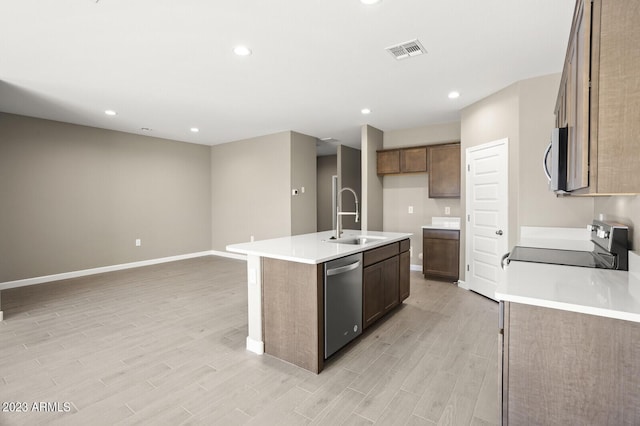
385, 280
441, 254
380, 289
567, 368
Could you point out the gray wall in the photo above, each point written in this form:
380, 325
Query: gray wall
303, 174
522, 112
76, 197
251, 183
349, 176
251, 189
402, 191
372, 205
327, 166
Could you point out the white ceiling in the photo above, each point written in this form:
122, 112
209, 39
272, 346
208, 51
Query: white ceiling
168, 65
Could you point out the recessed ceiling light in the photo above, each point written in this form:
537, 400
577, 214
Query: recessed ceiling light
369, 1
454, 95
145, 129
242, 51
110, 112
365, 111
195, 129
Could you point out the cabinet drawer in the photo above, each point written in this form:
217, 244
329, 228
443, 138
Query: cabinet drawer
441, 234
405, 245
378, 254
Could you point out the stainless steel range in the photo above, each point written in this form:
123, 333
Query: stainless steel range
611, 250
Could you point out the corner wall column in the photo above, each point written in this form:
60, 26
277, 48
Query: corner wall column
255, 341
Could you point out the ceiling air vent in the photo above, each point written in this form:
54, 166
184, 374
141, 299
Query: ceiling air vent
406, 49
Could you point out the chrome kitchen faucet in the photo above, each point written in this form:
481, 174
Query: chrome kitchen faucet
339, 214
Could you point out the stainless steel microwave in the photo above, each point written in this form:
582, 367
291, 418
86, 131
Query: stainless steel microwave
554, 161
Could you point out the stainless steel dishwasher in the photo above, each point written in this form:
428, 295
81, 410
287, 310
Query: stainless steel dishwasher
342, 302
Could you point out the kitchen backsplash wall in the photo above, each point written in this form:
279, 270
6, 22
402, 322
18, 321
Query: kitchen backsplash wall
623, 209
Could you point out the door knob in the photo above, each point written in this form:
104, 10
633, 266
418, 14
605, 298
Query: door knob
499, 232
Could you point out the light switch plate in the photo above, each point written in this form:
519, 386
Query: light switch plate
410, 209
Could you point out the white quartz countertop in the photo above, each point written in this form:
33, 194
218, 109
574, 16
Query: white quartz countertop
446, 222
313, 248
602, 292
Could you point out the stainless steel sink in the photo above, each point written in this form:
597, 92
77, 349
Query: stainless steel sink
356, 241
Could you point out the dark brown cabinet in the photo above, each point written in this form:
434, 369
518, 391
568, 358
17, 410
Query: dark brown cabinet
402, 160
560, 368
575, 94
372, 298
413, 160
405, 267
599, 100
388, 162
385, 280
444, 171
440, 254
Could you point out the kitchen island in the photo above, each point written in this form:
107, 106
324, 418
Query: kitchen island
570, 341
285, 288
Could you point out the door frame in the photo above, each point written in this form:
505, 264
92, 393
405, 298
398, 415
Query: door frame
468, 237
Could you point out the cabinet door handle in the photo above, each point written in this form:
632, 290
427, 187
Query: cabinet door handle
499, 232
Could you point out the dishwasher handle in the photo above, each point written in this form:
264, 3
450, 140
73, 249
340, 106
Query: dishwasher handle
343, 269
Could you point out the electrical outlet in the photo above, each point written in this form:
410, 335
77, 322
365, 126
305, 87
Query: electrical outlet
294, 192
410, 209
302, 189
251, 238
447, 210
138, 242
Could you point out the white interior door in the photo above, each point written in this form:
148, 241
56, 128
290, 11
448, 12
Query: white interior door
487, 215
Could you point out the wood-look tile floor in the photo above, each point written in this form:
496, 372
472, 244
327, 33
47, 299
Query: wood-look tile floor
165, 344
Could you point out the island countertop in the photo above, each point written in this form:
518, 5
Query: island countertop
314, 248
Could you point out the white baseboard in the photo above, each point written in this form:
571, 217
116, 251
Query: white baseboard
255, 346
416, 268
229, 255
102, 269
463, 284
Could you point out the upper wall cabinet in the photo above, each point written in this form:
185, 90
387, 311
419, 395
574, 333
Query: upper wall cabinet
413, 160
403, 160
444, 171
388, 161
599, 98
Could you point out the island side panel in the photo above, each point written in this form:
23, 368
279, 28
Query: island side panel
293, 312
570, 368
